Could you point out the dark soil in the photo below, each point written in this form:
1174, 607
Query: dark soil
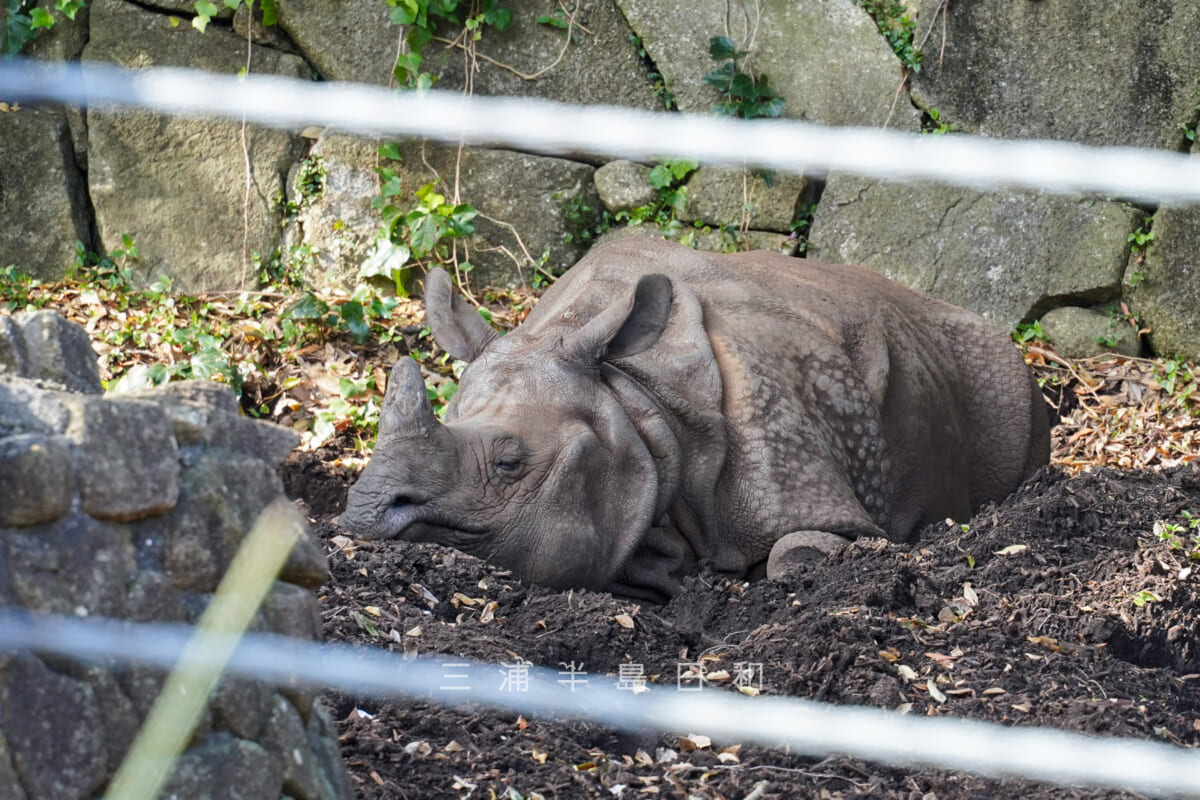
1090, 627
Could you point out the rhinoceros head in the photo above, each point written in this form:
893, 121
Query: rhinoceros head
537, 466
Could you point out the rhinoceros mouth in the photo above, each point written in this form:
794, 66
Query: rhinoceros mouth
420, 522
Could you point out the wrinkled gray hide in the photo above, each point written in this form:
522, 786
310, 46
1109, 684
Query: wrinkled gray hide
663, 407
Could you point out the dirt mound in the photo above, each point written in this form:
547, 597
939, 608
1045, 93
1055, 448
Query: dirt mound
1062, 606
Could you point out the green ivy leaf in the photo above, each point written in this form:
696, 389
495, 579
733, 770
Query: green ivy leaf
424, 233
390, 150
270, 12
68, 8
722, 48
40, 18
309, 306
352, 316
233, 4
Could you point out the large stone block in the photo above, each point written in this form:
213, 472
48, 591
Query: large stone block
59, 351
723, 196
129, 462
1008, 256
37, 479
598, 66
1116, 73
332, 191
1164, 291
524, 203
825, 57
54, 731
347, 40
225, 768
43, 194
76, 566
177, 185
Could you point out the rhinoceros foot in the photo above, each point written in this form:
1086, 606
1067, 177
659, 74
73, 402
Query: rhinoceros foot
801, 549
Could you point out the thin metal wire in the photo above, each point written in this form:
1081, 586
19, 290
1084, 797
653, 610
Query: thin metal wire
1151, 768
543, 126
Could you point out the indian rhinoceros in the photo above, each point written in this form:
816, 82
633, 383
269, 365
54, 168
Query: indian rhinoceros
663, 409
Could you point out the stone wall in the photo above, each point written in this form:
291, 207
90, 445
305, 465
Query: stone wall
1124, 74
131, 507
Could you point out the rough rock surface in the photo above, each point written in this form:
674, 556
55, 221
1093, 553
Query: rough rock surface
624, 185
1008, 256
825, 58
132, 507
521, 193
1122, 76
1165, 294
43, 196
178, 185
337, 220
723, 196
599, 66
1082, 333
346, 40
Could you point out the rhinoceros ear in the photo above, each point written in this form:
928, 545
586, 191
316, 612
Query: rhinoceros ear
628, 326
455, 325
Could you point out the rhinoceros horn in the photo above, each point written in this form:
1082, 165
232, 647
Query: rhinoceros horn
405, 404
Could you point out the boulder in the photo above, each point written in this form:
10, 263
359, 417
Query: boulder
1121, 73
46, 347
724, 196
37, 479
53, 727
1009, 256
101, 514
825, 58
332, 192
177, 185
1082, 333
624, 185
346, 40
599, 65
1164, 291
529, 206
43, 194
128, 457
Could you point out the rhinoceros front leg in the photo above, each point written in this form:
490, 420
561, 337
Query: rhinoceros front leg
801, 549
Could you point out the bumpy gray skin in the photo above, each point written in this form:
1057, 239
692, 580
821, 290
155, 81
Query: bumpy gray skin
663, 408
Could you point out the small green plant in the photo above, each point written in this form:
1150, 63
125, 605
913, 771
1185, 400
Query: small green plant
801, 223
1141, 239
421, 17
1181, 537
584, 223
896, 25
1143, 597
1136, 277
417, 234
23, 21
1170, 373
934, 124
1189, 131
667, 178
743, 94
1029, 331
661, 90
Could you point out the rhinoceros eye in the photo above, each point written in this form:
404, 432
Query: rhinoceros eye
508, 465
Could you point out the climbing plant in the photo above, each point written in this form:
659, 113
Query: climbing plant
743, 94
24, 21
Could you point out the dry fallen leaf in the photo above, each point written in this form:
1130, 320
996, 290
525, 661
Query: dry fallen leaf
891, 655
908, 673
935, 692
1011, 550
624, 620
413, 631
373, 611
969, 594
